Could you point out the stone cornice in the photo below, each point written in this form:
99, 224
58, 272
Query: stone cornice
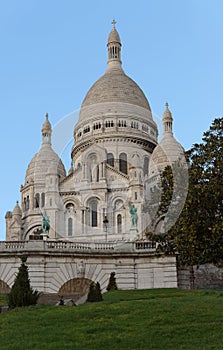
147, 145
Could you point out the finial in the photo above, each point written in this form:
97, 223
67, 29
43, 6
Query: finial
17, 202
47, 116
167, 105
113, 23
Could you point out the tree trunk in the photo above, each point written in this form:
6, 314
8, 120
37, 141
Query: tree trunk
192, 277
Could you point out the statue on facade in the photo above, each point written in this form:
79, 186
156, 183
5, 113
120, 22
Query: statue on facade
134, 216
80, 268
45, 223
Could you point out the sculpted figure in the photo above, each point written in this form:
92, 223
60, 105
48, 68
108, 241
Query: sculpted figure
45, 223
134, 216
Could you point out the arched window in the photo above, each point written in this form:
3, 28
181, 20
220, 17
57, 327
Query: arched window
123, 163
110, 159
27, 203
37, 200
146, 166
70, 227
69, 206
42, 200
119, 223
94, 213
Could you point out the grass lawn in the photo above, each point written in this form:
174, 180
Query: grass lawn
147, 319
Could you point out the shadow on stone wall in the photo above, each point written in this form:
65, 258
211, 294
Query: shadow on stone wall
4, 288
207, 276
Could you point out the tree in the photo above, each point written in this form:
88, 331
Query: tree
22, 293
202, 217
197, 235
94, 293
169, 196
112, 285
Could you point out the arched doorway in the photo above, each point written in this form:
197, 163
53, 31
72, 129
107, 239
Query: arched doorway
75, 288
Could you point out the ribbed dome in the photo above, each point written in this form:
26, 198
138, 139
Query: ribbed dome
116, 86
44, 161
165, 153
168, 150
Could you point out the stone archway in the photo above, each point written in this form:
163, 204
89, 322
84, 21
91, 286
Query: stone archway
75, 289
4, 288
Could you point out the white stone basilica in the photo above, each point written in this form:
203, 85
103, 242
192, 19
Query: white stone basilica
115, 160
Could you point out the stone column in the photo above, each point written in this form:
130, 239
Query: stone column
101, 171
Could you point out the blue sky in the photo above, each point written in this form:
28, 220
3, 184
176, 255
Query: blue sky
52, 51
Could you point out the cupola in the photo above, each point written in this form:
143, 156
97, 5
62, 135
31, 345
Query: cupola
114, 48
46, 131
167, 120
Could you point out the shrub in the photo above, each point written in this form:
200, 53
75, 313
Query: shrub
22, 294
112, 282
94, 293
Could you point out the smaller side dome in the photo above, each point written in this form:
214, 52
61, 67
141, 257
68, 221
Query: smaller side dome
45, 159
169, 150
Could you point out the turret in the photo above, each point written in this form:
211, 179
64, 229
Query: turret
14, 224
167, 121
114, 48
46, 131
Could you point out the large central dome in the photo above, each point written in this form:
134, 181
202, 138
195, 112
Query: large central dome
115, 86
114, 92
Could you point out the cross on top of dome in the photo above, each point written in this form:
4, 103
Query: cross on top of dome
113, 23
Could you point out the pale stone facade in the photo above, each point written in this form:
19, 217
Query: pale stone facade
113, 142
67, 268
115, 160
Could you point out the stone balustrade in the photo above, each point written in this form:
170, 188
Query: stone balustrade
77, 246
145, 245
13, 245
65, 265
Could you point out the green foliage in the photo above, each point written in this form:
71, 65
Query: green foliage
166, 191
94, 294
112, 285
199, 231
168, 196
197, 235
138, 319
3, 299
21, 293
